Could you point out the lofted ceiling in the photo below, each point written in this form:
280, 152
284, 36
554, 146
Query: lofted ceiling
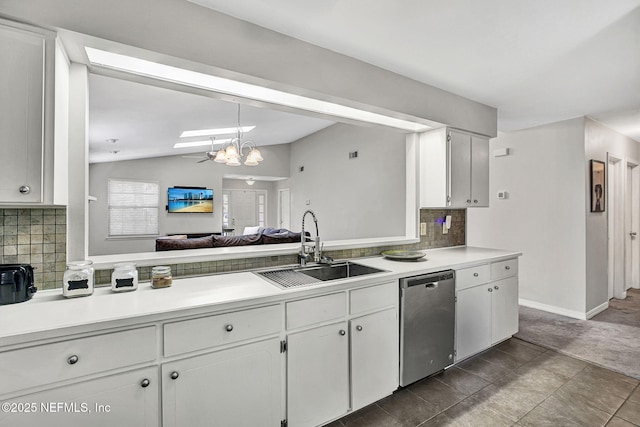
536, 61
147, 120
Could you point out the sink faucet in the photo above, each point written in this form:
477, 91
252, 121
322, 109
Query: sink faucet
307, 247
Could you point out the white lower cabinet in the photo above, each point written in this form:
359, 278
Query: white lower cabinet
240, 386
127, 399
374, 357
317, 375
487, 313
473, 321
504, 309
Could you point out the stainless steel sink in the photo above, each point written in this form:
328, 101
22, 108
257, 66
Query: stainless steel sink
301, 276
336, 271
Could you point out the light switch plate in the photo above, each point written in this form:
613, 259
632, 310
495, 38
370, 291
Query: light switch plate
423, 228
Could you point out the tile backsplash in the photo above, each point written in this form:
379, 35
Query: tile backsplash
433, 239
37, 237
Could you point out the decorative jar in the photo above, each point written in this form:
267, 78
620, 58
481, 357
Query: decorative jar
78, 279
161, 276
124, 277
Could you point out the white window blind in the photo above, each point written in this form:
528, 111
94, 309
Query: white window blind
133, 208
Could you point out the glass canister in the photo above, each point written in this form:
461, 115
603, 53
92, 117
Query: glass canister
161, 276
124, 277
78, 279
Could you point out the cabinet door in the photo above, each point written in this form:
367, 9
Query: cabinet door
240, 386
473, 320
317, 375
459, 169
504, 317
117, 400
479, 171
21, 115
374, 357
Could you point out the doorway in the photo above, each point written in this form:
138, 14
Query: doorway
243, 208
617, 239
284, 209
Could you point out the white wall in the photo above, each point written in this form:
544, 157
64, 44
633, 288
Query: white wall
544, 215
600, 140
352, 198
169, 172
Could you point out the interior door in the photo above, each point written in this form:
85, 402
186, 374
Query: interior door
459, 145
631, 227
243, 210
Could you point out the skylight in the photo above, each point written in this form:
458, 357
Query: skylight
211, 132
200, 143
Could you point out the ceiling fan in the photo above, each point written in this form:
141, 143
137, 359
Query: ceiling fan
208, 155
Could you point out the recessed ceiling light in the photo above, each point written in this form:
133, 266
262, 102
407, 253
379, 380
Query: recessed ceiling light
168, 73
219, 131
200, 143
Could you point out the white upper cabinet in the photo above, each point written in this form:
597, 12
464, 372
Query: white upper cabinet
26, 115
454, 169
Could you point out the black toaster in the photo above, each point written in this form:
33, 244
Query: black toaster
16, 283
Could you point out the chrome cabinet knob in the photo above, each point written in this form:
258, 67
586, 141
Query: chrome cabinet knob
24, 189
496, 287
145, 383
507, 267
475, 274
468, 200
475, 201
174, 375
490, 290
229, 327
72, 360
342, 332
358, 328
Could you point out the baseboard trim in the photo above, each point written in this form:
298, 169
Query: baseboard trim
553, 309
599, 309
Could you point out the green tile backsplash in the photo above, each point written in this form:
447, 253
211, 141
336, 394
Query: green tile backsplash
37, 237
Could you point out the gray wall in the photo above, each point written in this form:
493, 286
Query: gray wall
170, 171
247, 52
599, 140
352, 198
544, 214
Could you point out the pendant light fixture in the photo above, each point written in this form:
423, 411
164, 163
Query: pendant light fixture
232, 153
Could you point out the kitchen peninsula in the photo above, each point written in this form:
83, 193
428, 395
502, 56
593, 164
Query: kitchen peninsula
251, 341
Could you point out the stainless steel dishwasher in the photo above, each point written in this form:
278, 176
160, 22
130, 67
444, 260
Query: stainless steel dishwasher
427, 324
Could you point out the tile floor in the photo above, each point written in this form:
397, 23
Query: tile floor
513, 384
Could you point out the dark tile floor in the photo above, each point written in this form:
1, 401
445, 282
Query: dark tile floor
513, 384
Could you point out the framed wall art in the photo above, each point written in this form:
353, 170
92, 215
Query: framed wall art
598, 189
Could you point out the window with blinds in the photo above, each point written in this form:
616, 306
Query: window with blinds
133, 208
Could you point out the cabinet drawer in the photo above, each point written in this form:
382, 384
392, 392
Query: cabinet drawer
472, 276
198, 334
48, 363
316, 310
373, 297
503, 269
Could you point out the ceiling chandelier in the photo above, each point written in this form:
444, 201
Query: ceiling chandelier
232, 153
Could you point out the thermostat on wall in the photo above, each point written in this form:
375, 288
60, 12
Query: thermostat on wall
502, 194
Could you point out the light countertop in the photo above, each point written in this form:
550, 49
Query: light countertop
49, 314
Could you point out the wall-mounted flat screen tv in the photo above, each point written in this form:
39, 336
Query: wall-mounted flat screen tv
190, 199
